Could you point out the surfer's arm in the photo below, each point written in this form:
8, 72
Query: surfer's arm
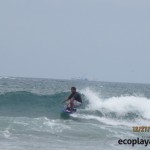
72, 99
69, 98
71, 95
66, 100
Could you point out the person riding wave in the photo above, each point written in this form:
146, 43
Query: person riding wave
74, 100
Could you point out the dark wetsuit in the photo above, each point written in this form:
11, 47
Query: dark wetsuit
76, 96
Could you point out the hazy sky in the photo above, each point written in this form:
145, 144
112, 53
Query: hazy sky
106, 40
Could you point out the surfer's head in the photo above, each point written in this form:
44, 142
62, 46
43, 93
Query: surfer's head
73, 89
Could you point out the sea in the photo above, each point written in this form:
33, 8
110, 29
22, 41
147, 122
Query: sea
31, 108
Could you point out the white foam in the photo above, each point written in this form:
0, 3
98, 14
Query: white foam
102, 119
55, 125
42, 124
6, 133
12, 78
45, 124
120, 105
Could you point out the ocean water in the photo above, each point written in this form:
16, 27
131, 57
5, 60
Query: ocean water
30, 117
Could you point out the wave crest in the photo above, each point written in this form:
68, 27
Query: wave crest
124, 106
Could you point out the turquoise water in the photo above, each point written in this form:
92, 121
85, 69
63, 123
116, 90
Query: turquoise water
30, 114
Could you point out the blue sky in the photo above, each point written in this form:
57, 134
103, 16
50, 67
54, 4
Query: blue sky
106, 40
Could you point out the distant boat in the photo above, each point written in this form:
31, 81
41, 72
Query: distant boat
80, 79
